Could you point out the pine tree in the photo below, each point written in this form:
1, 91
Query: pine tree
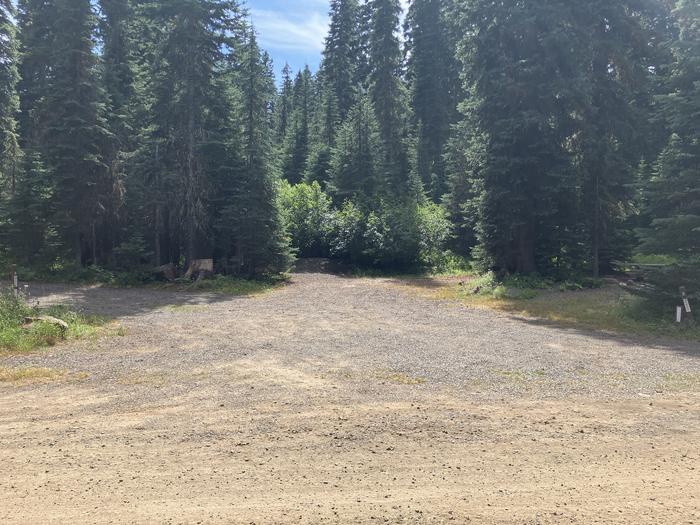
28, 209
76, 138
9, 104
341, 54
297, 141
357, 158
252, 222
522, 86
188, 115
324, 130
284, 106
364, 25
36, 20
118, 77
673, 194
433, 74
388, 92
617, 51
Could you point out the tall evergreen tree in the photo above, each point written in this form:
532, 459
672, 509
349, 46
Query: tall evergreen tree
77, 138
673, 194
617, 50
358, 156
36, 28
9, 144
297, 141
29, 208
252, 222
341, 54
324, 130
522, 85
118, 77
284, 106
189, 106
433, 74
388, 91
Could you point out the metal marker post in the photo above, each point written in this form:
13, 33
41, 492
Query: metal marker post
15, 282
685, 308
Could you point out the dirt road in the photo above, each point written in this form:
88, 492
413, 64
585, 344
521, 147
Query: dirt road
340, 400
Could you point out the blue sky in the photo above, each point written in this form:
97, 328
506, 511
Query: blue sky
291, 30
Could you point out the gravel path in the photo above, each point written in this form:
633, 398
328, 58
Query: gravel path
342, 400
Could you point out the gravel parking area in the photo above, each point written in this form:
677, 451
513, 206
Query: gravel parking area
346, 400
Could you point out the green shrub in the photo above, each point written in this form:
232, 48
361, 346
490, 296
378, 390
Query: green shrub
435, 232
306, 211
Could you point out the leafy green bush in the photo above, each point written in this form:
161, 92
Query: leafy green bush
345, 231
435, 232
306, 212
386, 235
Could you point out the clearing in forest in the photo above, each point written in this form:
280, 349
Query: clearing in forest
344, 400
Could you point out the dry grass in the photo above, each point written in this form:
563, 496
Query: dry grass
30, 375
400, 378
608, 308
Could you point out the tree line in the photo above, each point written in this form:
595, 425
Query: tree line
550, 137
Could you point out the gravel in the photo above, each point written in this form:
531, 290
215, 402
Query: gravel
359, 328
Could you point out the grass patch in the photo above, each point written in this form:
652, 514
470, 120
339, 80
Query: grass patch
15, 337
681, 382
29, 375
605, 307
229, 285
401, 379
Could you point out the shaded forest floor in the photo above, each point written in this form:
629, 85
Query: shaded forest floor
345, 400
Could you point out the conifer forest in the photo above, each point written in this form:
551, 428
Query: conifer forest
543, 137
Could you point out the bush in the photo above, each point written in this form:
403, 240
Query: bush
435, 232
306, 212
386, 234
345, 232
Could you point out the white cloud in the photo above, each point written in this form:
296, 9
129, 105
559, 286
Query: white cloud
299, 31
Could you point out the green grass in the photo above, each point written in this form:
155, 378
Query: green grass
227, 285
15, 337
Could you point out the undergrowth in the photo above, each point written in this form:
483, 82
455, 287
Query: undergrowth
144, 277
16, 337
589, 303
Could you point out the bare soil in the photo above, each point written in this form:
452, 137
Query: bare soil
342, 400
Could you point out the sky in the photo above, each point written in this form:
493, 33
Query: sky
292, 31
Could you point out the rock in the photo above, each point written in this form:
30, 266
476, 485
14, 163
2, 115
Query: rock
29, 321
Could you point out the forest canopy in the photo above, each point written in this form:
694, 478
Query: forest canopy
556, 138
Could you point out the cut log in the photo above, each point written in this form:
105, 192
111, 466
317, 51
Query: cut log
200, 267
29, 321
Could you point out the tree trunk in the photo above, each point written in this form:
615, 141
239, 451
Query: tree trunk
78, 249
526, 250
93, 234
157, 237
595, 241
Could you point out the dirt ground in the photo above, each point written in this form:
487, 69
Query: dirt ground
343, 400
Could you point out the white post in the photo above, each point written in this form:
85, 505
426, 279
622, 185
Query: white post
679, 314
